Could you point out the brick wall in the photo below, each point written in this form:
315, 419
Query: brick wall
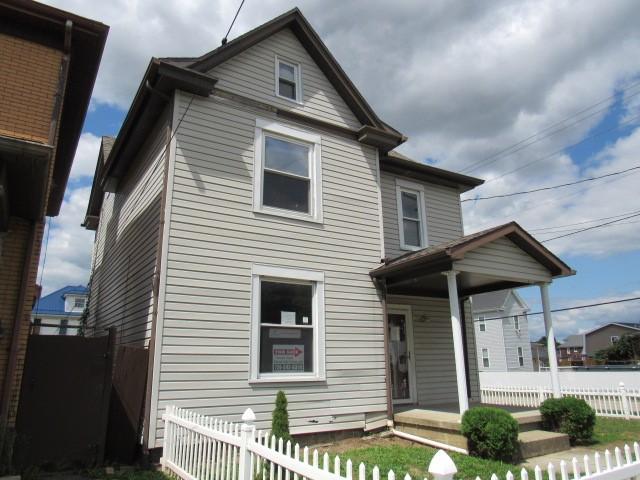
29, 75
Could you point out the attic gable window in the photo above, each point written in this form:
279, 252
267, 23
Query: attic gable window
288, 80
287, 173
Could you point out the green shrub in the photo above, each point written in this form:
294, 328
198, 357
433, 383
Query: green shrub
492, 433
280, 418
569, 415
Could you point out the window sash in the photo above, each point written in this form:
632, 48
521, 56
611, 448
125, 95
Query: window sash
416, 191
295, 83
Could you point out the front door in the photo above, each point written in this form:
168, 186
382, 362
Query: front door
401, 364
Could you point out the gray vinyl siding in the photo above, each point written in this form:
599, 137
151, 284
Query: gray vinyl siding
502, 258
493, 340
444, 221
252, 74
215, 238
513, 339
433, 350
125, 247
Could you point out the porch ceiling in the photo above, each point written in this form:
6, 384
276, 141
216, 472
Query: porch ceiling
494, 259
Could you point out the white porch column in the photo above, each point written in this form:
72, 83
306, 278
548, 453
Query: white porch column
551, 340
458, 342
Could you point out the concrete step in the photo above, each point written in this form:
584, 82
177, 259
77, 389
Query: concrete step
529, 420
534, 443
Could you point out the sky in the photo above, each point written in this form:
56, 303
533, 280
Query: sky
524, 94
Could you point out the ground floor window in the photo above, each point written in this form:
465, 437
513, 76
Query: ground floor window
485, 357
287, 324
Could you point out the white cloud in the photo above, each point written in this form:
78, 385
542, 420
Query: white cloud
68, 254
84, 162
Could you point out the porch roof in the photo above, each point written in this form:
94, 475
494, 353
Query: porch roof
497, 258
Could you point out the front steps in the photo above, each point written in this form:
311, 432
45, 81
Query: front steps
444, 427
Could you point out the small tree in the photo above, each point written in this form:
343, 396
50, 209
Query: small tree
625, 349
280, 418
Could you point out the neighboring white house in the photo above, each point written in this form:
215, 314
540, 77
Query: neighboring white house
59, 312
256, 232
502, 332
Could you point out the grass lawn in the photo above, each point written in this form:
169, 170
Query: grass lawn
402, 456
99, 474
616, 430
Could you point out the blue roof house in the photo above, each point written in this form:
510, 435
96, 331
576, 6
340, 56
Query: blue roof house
59, 313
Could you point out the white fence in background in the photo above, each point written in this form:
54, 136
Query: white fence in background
203, 448
568, 378
607, 402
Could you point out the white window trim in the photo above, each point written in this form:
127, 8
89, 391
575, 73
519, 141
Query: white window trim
482, 322
520, 352
411, 187
315, 169
298, 79
487, 357
259, 272
617, 339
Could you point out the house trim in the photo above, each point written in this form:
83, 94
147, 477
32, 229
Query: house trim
284, 273
154, 377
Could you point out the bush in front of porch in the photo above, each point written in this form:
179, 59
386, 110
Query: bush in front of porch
569, 415
492, 433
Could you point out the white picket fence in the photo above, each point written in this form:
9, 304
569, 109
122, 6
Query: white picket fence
607, 402
197, 447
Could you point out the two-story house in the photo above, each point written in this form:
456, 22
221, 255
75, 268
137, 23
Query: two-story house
501, 328
256, 232
60, 312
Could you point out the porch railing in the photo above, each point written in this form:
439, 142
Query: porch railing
197, 447
607, 402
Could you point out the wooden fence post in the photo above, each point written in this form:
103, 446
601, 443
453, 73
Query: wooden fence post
442, 467
246, 436
624, 400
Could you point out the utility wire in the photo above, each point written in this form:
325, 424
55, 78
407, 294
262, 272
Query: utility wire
552, 187
224, 40
577, 307
590, 228
562, 150
573, 229
516, 147
538, 229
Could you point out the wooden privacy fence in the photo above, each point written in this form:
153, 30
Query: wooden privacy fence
197, 447
607, 402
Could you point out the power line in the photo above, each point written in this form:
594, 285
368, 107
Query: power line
572, 229
224, 40
561, 150
577, 307
552, 187
516, 147
590, 228
538, 229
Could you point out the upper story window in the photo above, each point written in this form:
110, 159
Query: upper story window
482, 324
288, 80
412, 220
516, 322
485, 357
520, 357
615, 339
79, 302
287, 178
287, 324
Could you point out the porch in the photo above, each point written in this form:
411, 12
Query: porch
432, 373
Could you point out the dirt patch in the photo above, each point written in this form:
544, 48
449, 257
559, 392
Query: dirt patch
378, 440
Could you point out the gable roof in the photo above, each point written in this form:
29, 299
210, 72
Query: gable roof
456, 249
53, 304
629, 325
309, 38
573, 341
490, 301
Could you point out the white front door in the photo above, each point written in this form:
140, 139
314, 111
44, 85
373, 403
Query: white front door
401, 361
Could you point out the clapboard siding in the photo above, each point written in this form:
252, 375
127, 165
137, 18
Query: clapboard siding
503, 258
214, 238
444, 221
433, 350
493, 340
125, 247
252, 74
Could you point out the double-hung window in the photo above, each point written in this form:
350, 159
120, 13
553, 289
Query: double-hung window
520, 357
516, 322
287, 175
287, 324
411, 215
288, 80
482, 324
79, 302
485, 357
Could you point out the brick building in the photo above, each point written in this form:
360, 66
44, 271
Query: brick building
48, 64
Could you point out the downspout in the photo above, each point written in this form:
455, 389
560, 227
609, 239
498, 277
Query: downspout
381, 284
15, 333
156, 286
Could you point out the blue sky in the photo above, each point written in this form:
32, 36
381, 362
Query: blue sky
472, 80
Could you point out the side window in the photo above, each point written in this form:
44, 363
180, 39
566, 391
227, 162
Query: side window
412, 220
482, 324
287, 172
485, 357
520, 357
614, 339
288, 80
516, 322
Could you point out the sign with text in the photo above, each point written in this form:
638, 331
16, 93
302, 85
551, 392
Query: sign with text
288, 358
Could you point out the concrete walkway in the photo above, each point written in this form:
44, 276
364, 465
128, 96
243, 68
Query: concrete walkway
568, 455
